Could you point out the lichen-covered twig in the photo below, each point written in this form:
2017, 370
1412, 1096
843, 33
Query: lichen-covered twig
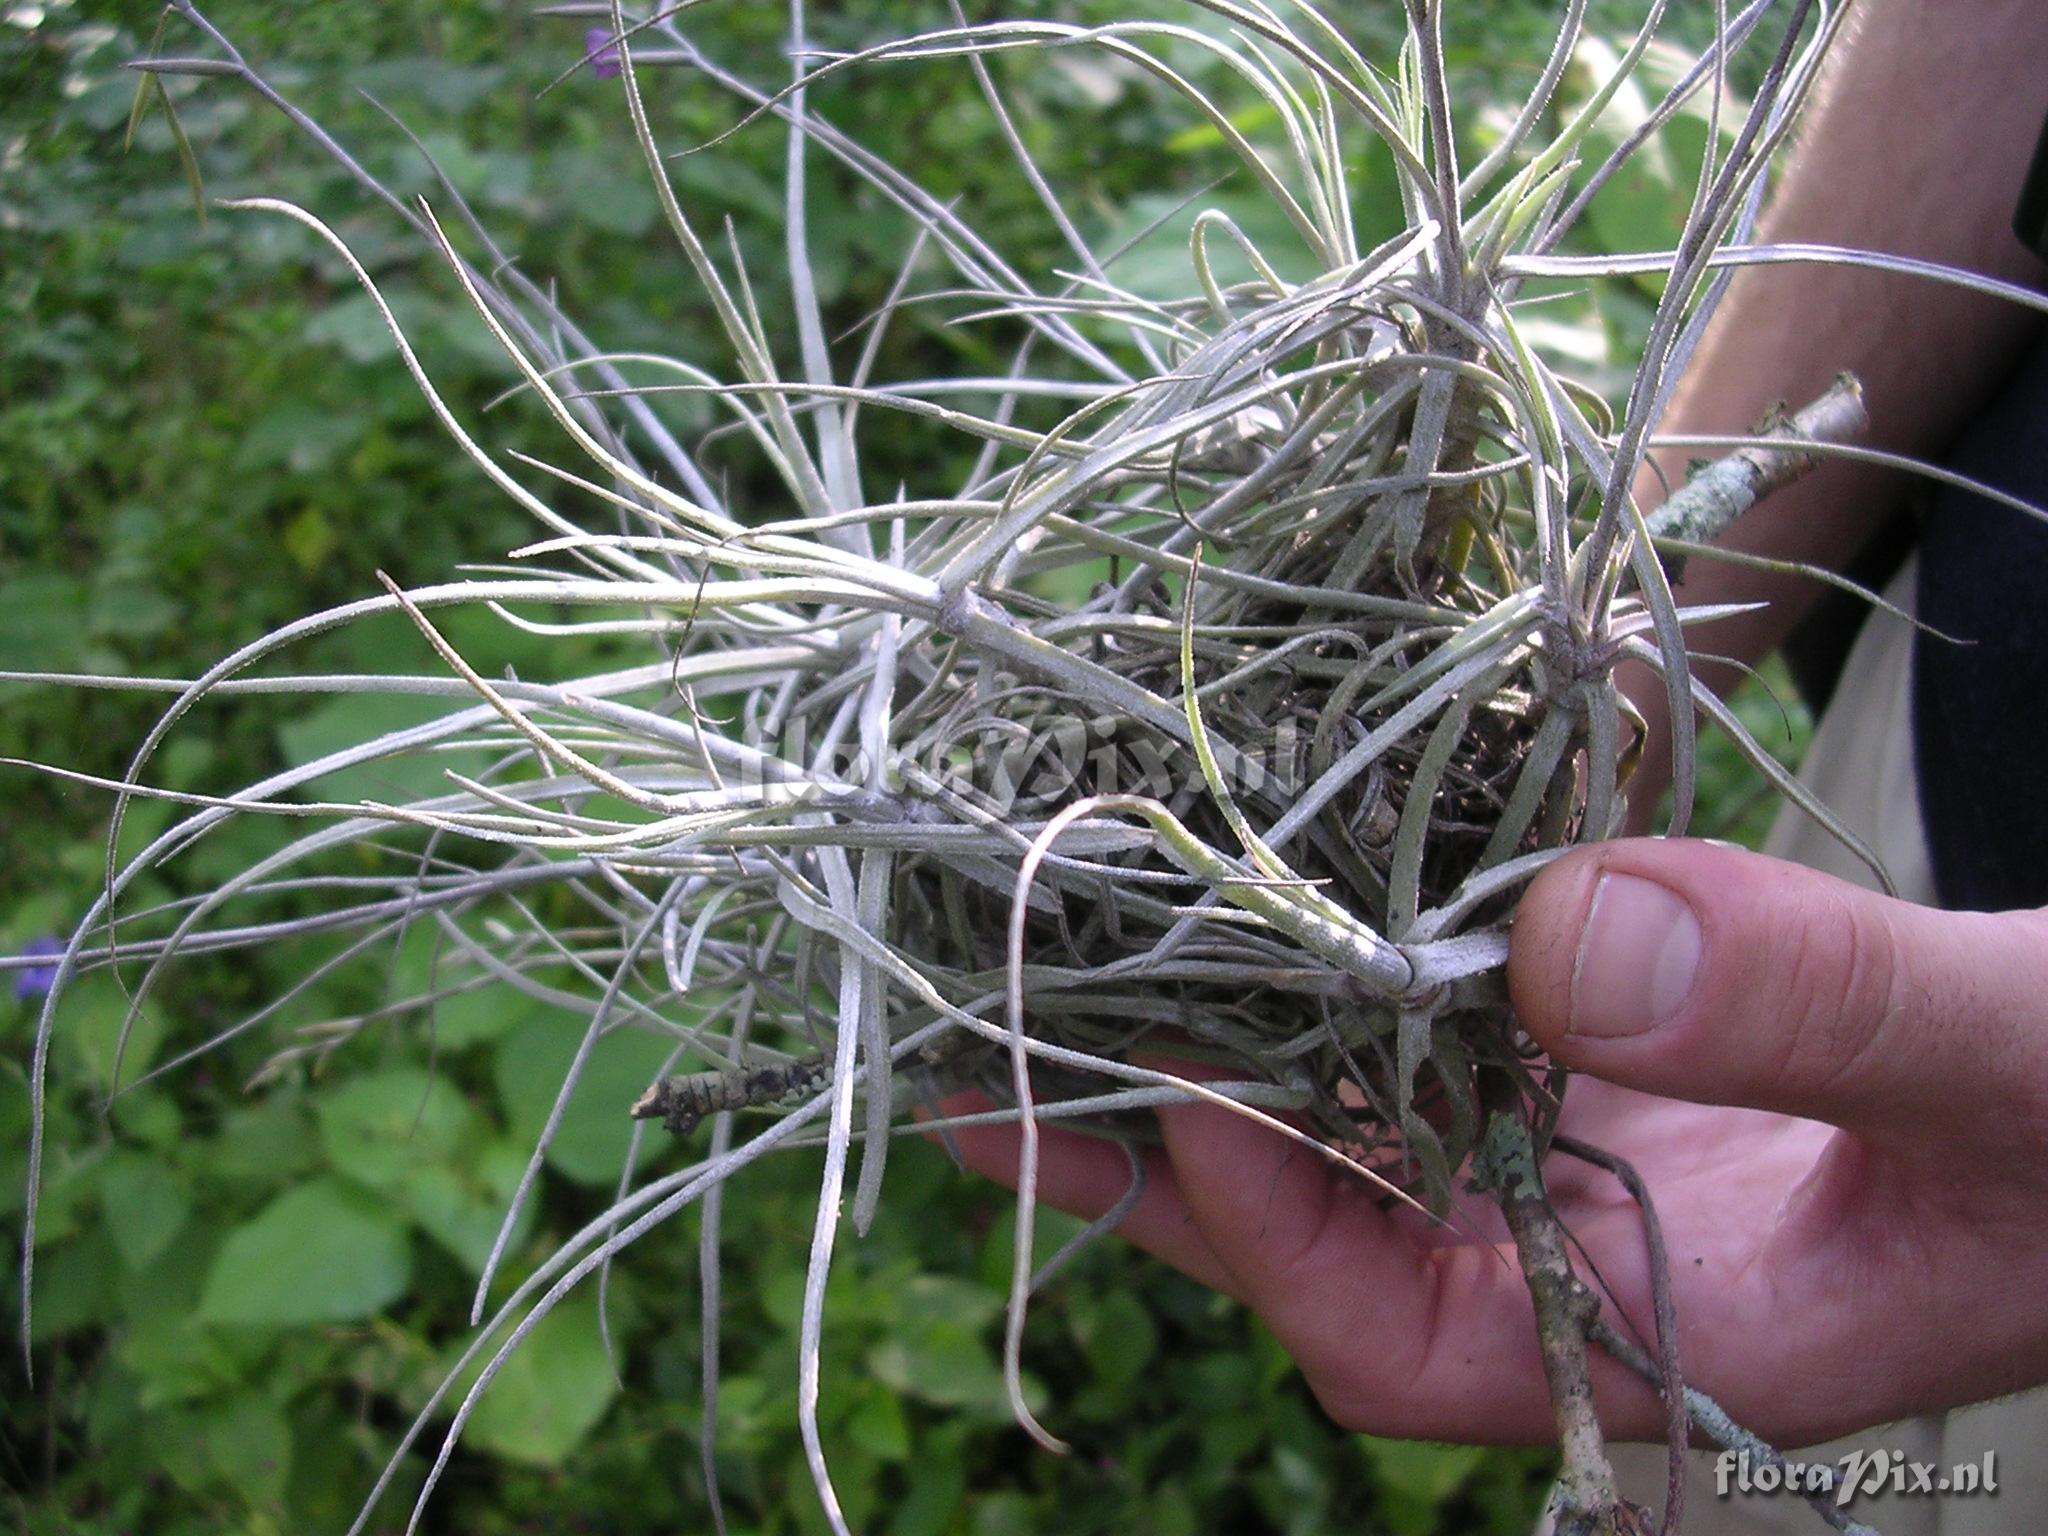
1713, 1421
1585, 1500
684, 1102
1671, 1380
1718, 493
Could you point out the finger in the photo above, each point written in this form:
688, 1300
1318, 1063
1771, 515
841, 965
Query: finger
1396, 1339
1696, 971
1086, 1177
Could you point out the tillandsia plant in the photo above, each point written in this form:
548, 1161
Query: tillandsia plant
1216, 717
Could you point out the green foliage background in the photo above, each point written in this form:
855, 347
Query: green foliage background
243, 1294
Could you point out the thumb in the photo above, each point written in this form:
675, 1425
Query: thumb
1701, 972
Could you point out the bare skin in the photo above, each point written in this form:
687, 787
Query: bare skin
1850, 1168
1917, 147
1839, 1101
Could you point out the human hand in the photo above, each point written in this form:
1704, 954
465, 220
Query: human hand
1839, 1104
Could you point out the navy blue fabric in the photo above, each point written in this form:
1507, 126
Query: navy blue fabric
2030, 222
1980, 710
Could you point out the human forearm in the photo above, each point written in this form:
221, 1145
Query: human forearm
1916, 147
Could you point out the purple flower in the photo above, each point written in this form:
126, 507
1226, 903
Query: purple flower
36, 980
603, 53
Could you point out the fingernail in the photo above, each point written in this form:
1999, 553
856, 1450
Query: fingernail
1636, 960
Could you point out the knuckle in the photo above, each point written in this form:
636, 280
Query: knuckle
2017, 1053
1842, 993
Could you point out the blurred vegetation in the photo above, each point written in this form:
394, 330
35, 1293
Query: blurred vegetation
243, 1294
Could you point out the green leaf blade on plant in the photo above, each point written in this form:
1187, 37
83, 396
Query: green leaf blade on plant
552, 1391
385, 1129
145, 1203
320, 1253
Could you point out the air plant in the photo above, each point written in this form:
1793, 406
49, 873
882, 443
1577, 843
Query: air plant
1218, 715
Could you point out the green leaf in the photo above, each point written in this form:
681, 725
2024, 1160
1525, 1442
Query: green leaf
1417, 1480
327, 1467
145, 1205
144, 88
590, 1144
445, 86
1160, 265
1004, 1514
310, 539
125, 609
354, 719
170, 1286
461, 1205
602, 190
354, 327
267, 1144
935, 1493
1295, 1491
854, 1478
1643, 206
42, 623
878, 1426
91, 1018
176, 1360
151, 1120
249, 1443
1049, 1229
187, 161
74, 1286
948, 1299
321, 1253
301, 436
240, 1444
946, 1366
550, 1393
1173, 1513
70, 1191
1120, 1339
147, 83
479, 1014
390, 1127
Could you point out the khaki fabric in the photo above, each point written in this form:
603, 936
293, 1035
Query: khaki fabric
1861, 766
